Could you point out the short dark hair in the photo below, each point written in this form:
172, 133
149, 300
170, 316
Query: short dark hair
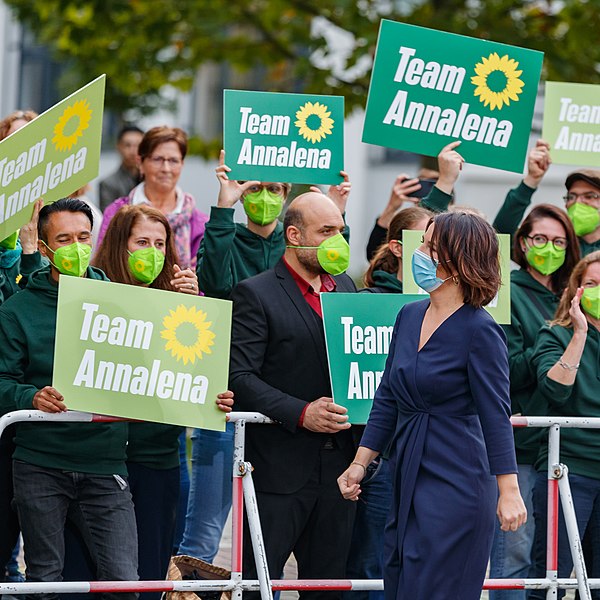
470, 244
63, 205
293, 217
128, 129
161, 135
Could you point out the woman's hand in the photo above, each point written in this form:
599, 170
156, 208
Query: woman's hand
185, 281
338, 193
29, 233
579, 320
538, 162
450, 162
349, 481
230, 190
225, 401
511, 509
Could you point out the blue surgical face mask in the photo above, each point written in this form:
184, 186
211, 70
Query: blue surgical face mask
424, 270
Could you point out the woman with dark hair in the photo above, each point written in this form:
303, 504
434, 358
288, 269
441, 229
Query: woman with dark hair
161, 155
138, 249
566, 361
546, 248
443, 408
385, 270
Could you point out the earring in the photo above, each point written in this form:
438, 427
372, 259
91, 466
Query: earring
455, 279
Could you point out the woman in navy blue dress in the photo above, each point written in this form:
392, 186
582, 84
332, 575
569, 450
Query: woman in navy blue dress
443, 409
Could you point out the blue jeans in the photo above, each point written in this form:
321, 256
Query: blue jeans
365, 560
511, 550
586, 499
43, 497
210, 493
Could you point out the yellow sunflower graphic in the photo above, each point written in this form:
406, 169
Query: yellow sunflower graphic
497, 81
71, 125
586, 303
187, 333
314, 122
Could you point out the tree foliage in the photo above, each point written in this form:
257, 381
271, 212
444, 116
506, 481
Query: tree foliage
314, 46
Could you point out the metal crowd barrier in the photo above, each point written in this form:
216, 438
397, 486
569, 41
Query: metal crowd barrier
244, 495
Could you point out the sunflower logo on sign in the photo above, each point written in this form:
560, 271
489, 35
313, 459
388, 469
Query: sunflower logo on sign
188, 334
497, 81
314, 122
71, 125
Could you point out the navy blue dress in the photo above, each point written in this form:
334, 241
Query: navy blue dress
445, 413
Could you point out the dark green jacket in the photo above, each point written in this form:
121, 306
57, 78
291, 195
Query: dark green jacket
385, 282
532, 305
14, 278
579, 448
436, 201
27, 334
511, 213
230, 253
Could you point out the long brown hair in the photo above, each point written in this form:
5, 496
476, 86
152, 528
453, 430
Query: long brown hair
469, 243
562, 317
112, 256
384, 259
558, 279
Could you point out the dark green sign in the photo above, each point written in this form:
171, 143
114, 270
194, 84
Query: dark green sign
429, 88
297, 138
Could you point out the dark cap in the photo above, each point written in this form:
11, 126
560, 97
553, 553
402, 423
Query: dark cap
591, 176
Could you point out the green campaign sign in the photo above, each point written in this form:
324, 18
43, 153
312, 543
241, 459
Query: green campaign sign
52, 156
429, 88
572, 123
358, 331
140, 353
298, 138
499, 307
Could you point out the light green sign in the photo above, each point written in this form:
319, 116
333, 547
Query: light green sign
52, 156
572, 123
429, 88
499, 307
297, 138
358, 330
140, 353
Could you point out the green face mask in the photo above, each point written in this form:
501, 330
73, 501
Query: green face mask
263, 207
146, 264
73, 259
546, 259
590, 301
585, 218
333, 254
10, 242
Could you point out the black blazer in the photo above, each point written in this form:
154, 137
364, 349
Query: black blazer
279, 364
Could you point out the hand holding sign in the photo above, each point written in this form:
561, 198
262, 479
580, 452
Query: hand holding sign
29, 232
324, 416
338, 193
450, 162
538, 162
230, 191
49, 400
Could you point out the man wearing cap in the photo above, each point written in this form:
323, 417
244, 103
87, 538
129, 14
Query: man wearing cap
582, 200
279, 368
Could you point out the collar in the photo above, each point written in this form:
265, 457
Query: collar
138, 196
328, 283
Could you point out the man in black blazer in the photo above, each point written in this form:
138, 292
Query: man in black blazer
279, 368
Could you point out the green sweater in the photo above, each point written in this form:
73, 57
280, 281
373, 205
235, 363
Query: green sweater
27, 334
436, 201
527, 318
579, 448
511, 213
154, 445
385, 282
14, 278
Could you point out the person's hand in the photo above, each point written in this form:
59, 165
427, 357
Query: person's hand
511, 511
450, 163
324, 416
579, 320
230, 190
185, 281
29, 232
349, 481
401, 190
338, 193
49, 400
538, 162
225, 401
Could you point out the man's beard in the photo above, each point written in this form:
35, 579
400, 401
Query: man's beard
308, 259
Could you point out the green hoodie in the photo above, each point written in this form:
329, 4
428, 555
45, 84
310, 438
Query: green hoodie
27, 334
579, 448
385, 282
532, 304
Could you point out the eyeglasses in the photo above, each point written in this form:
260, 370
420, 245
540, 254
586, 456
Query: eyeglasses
539, 241
158, 161
590, 198
273, 188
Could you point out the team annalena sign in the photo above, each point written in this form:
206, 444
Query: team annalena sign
52, 156
297, 138
430, 87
